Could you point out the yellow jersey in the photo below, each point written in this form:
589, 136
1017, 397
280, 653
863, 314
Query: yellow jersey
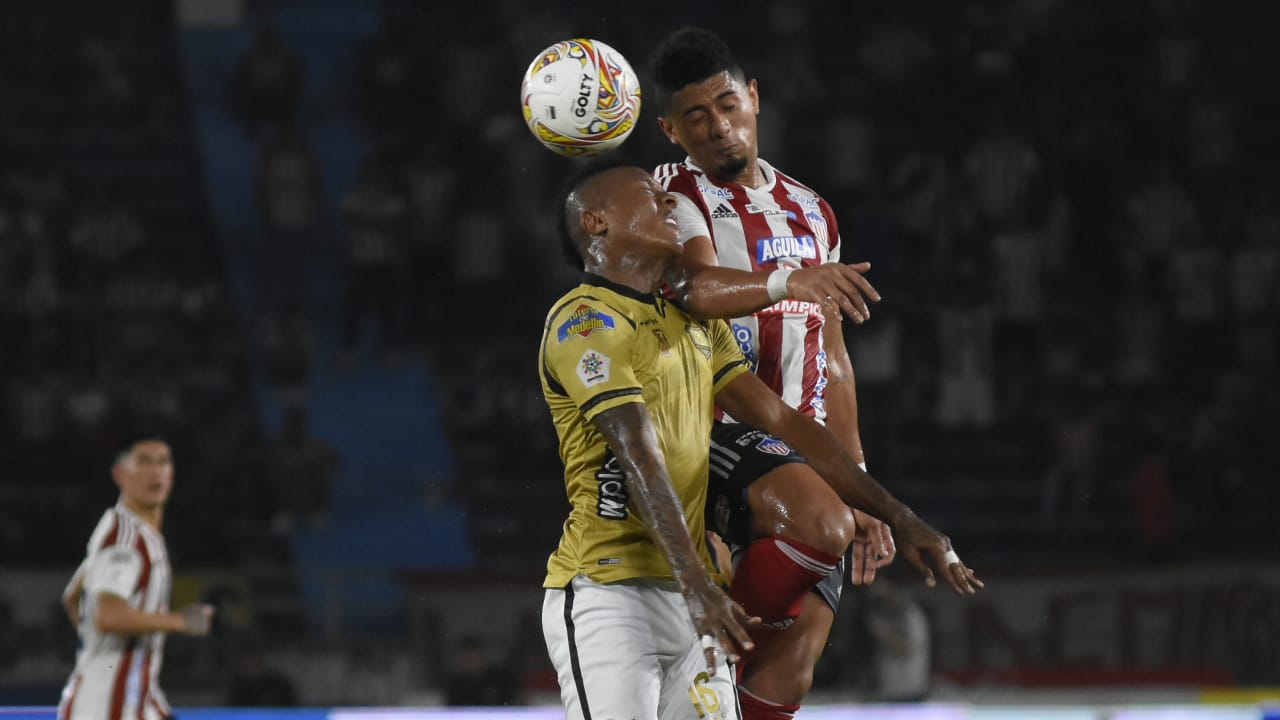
605, 345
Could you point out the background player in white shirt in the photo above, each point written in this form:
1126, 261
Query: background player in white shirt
738, 212
119, 597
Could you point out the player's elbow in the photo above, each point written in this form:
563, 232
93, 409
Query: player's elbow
111, 615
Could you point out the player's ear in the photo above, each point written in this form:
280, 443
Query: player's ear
753, 94
594, 222
669, 129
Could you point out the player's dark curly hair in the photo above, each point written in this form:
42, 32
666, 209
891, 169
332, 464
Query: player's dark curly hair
688, 55
571, 237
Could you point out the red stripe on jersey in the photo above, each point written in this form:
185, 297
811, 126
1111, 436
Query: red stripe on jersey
114, 535
146, 683
69, 706
122, 678
769, 365
755, 226
812, 344
145, 576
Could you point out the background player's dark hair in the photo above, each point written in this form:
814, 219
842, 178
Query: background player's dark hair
568, 227
688, 55
131, 440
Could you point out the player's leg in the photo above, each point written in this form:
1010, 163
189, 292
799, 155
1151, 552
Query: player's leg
689, 692
601, 641
793, 526
780, 673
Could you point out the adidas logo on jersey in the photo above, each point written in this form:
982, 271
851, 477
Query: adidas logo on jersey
723, 212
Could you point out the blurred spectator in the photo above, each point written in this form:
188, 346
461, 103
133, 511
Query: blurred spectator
901, 642
1002, 167
300, 468
478, 678
290, 203
289, 346
267, 85
1068, 490
376, 213
388, 84
255, 684
1159, 215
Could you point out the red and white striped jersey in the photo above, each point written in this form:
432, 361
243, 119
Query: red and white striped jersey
780, 224
116, 676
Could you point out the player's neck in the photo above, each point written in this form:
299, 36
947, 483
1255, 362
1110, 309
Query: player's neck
151, 516
640, 274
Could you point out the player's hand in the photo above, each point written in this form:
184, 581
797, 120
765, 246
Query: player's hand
197, 619
916, 538
873, 548
721, 623
836, 283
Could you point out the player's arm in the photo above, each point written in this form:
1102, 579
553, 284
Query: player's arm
71, 594
634, 441
749, 400
709, 291
112, 574
118, 617
875, 546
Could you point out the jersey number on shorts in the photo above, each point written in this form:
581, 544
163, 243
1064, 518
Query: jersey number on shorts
705, 700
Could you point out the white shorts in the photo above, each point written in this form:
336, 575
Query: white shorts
625, 651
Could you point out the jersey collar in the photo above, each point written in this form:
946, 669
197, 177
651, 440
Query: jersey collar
623, 290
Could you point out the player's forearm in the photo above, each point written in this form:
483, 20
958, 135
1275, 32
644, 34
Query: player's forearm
825, 454
634, 442
841, 393
842, 415
714, 292
655, 502
118, 617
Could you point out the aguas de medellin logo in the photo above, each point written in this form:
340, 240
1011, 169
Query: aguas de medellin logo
583, 321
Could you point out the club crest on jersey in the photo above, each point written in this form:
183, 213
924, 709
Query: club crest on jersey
664, 345
583, 321
819, 225
791, 246
700, 339
723, 212
773, 446
593, 368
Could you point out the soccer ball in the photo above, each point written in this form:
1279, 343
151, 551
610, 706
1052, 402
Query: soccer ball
580, 97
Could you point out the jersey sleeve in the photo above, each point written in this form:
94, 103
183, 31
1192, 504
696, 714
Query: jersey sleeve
114, 570
727, 360
588, 353
689, 215
833, 228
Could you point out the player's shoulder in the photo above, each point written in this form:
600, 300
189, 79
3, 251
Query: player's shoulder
797, 190
587, 309
676, 176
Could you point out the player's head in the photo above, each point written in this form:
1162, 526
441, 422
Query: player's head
143, 470
706, 104
612, 210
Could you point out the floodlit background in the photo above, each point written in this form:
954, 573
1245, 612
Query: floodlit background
313, 242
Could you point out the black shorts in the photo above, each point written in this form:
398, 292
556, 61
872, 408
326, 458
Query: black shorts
741, 454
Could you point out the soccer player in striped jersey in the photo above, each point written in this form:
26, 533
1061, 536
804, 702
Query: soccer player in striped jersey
634, 623
119, 597
738, 212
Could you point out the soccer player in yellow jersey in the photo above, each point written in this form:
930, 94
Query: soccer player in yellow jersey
635, 620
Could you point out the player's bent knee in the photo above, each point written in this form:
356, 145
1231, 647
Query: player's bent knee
793, 501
